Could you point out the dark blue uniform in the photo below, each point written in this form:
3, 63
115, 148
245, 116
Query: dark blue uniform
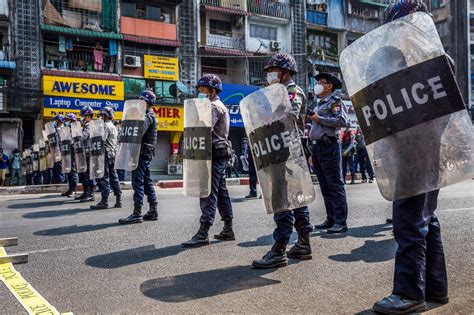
299, 218
142, 183
219, 197
327, 157
84, 178
252, 175
72, 176
420, 268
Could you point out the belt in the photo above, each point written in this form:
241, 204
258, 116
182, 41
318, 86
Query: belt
326, 140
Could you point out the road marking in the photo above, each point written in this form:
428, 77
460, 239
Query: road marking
29, 298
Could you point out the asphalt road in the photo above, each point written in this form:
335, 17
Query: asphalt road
82, 261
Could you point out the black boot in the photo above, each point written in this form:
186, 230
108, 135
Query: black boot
89, 195
201, 238
352, 180
152, 214
302, 248
81, 196
227, 233
275, 258
135, 217
101, 205
118, 201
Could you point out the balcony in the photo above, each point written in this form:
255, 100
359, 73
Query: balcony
230, 4
317, 17
235, 76
362, 25
226, 40
148, 28
266, 7
80, 60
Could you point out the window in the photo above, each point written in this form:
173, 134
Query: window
442, 28
326, 41
317, 5
133, 87
363, 11
218, 27
436, 4
141, 10
166, 91
263, 32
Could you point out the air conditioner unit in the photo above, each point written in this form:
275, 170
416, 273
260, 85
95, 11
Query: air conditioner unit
166, 18
274, 45
175, 169
132, 61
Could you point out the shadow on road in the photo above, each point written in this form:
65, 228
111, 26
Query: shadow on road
74, 229
266, 240
198, 285
56, 213
33, 205
372, 251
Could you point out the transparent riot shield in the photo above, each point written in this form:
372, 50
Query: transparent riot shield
78, 145
36, 158
97, 149
29, 162
409, 107
49, 156
130, 135
276, 148
197, 141
42, 155
53, 140
65, 147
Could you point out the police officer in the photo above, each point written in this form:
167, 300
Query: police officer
420, 267
110, 178
348, 149
210, 86
58, 176
142, 183
363, 157
87, 114
329, 116
72, 176
252, 175
280, 69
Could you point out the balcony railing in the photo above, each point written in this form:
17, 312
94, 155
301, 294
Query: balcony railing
236, 76
231, 4
265, 7
82, 61
317, 17
226, 40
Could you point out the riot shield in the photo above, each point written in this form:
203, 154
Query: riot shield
42, 155
53, 140
29, 162
415, 123
130, 136
276, 148
36, 158
49, 157
97, 149
197, 140
65, 147
24, 166
78, 145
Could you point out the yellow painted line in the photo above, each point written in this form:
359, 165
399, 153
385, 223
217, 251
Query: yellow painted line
29, 298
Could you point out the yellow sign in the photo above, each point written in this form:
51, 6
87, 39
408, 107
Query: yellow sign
51, 112
170, 118
161, 68
83, 88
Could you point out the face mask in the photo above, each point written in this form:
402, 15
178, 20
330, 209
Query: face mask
202, 95
318, 89
272, 77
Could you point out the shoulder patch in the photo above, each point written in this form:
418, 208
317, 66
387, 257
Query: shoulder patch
291, 95
336, 107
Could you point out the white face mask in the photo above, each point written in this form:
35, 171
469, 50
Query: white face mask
202, 95
272, 77
318, 89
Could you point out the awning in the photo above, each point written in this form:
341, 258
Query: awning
374, 2
226, 51
79, 32
151, 41
7, 64
324, 63
227, 10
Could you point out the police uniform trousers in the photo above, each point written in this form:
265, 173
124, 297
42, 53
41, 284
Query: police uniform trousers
47, 176
252, 176
420, 268
219, 197
85, 178
142, 183
299, 218
58, 176
364, 163
327, 165
72, 176
348, 161
109, 180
